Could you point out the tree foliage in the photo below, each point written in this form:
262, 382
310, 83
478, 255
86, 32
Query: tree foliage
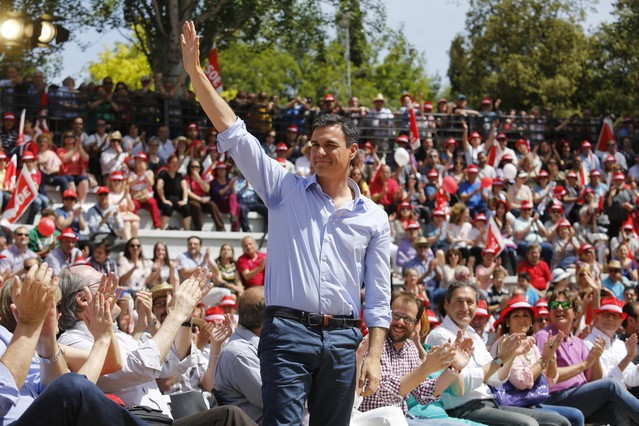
124, 63
526, 52
612, 81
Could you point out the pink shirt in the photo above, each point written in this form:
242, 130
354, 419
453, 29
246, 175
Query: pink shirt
521, 375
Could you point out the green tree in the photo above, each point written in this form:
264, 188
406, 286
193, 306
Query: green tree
526, 52
611, 83
123, 63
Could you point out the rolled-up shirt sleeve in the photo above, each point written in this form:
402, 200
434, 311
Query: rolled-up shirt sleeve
377, 278
174, 366
425, 392
264, 173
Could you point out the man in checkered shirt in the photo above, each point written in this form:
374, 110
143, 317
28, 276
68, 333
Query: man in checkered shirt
405, 368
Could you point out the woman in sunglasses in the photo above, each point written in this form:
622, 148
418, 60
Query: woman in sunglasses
580, 382
525, 374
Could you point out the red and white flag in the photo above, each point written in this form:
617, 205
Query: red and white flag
23, 195
584, 177
207, 167
10, 174
21, 128
212, 71
415, 143
605, 135
378, 168
494, 239
492, 156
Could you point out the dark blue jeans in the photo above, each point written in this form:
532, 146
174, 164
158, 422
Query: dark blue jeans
302, 364
73, 400
604, 401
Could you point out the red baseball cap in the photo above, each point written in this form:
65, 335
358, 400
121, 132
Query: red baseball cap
69, 193
612, 304
68, 233
482, 309
281, 147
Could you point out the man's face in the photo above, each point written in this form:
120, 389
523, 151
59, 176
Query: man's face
611, 147
481, 158
462, 306
21, 237
385, 173
561, 315
479, 323
8, 124
78, 125
609, 322
163, 133
379, 105
471, 177
329, 154
533, 256
67, 245
249, 247
159, 308
194, 246
403, 321
632, 325
525, 213
629, 295
422, 251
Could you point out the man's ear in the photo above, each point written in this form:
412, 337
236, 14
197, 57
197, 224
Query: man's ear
353, 148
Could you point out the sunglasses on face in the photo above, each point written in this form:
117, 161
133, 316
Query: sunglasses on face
564, 305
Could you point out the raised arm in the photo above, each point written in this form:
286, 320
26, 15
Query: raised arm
216, 108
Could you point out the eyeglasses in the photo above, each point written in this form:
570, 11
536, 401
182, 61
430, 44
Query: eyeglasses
564, 305
69, 199
22, 235
555, 212
104, 194
195, 167
541, 319
100, 125
613, 270
135, 246
406, 319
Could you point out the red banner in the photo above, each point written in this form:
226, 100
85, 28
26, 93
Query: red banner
605, 135
212, 71
414, 131
10, 174
494, 239
21, 198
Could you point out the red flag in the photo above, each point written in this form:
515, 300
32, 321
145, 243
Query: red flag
378, 168
414, 132
492, 156
212, 71
584, 178
494, 239
24, 193
605, 135
10, 174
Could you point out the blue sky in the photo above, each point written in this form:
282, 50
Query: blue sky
429, 24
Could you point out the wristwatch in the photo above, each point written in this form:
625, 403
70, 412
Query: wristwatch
499, 361
543, 363
188, 323
51, 359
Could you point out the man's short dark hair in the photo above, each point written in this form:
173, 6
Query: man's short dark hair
251, 308
409, 297
348, 128
460, 284
524, 275
631, 310
199, 240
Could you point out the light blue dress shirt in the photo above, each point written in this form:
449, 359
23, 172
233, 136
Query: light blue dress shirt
318, 256
13, 401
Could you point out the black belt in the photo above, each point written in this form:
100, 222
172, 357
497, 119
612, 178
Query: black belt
313, 320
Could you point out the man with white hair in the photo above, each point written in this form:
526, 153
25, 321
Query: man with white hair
147, 359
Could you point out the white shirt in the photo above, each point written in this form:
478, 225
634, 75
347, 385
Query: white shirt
614, 352
135, 383
473, 373
166, 149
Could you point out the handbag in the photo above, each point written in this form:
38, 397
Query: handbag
142, 195
150, 416
508, 394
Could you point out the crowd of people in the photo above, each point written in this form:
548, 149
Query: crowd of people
515, 243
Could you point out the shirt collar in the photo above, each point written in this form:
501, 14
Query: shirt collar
596, 333
248, 335
357, 199
450, 325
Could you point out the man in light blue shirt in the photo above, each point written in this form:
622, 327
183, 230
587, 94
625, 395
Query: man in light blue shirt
326, 240
237, 374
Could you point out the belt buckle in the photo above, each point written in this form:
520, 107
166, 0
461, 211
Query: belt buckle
310, 319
